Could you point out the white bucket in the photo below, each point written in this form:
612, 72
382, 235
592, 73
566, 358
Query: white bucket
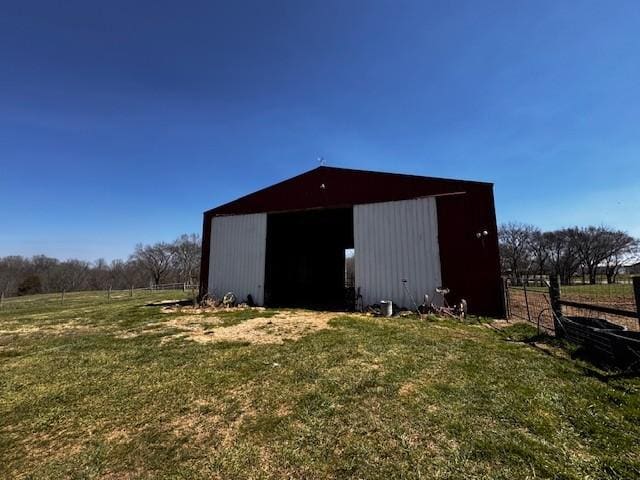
386, 307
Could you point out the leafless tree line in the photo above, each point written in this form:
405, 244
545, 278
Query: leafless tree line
525, 250
175, 262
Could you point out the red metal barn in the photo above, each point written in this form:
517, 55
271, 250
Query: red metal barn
285, 245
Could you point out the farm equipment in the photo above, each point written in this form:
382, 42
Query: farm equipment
459, 310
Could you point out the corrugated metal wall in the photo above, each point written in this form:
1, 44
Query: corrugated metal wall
396, 240
237, 259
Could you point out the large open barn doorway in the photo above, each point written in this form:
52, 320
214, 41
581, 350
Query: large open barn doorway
305, 258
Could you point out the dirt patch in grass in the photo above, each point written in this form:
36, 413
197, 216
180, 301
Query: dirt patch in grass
218, 420
407, 389
197, 427
189, 322
277, 329
500, 324
188, 310
60, 328
51, 446
118, 436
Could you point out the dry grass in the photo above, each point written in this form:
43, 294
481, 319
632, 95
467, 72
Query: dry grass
289, 325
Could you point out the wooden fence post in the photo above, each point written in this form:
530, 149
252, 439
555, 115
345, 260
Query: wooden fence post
1, 299
526, 301
131, 291
505, 299
109, 293
62, 297
554, 298
636, 292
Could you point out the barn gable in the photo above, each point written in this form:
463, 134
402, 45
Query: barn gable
330, 187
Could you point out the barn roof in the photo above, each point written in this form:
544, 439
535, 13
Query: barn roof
331, 187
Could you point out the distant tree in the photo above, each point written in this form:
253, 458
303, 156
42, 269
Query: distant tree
620, 248
155, 259
134, 273
100, 276
186, 256
118, 274
563, 260
593, 245
12, 271
540, 252
45, 268
72, 275
178, 261
515, 248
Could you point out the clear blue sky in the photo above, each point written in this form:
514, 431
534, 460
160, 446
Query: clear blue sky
122, 121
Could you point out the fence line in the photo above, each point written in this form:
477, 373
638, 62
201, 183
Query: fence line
108, 293
537, 305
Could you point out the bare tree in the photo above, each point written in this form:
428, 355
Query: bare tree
44, 268
155, 259
540, 251
620, 248
12, 271
71, 275
563, 259
186, 250
515, 248
593, 246
100, 277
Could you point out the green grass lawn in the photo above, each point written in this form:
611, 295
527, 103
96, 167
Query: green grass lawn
97, 389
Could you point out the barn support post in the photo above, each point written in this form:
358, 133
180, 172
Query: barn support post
554, 298
636, 292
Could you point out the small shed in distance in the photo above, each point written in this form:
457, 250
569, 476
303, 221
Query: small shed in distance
287, 244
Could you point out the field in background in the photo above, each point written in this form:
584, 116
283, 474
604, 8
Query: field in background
599, 290
98, 296
139, 388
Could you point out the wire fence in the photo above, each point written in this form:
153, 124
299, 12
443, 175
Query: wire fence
615, 303
530, 305
107, 294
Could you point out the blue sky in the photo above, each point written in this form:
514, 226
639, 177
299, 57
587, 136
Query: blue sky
121, 122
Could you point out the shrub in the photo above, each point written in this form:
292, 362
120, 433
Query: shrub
30, 285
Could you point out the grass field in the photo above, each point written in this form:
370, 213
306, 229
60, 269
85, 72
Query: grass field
600, 290
595, 292
97, 389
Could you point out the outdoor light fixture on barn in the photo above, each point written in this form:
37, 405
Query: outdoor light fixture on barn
286, 245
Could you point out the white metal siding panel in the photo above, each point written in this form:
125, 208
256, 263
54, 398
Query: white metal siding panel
237, 260
396, 240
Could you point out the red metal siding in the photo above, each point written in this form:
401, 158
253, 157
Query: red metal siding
470, 265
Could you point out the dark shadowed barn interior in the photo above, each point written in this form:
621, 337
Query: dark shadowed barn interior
305, 258
285, 245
